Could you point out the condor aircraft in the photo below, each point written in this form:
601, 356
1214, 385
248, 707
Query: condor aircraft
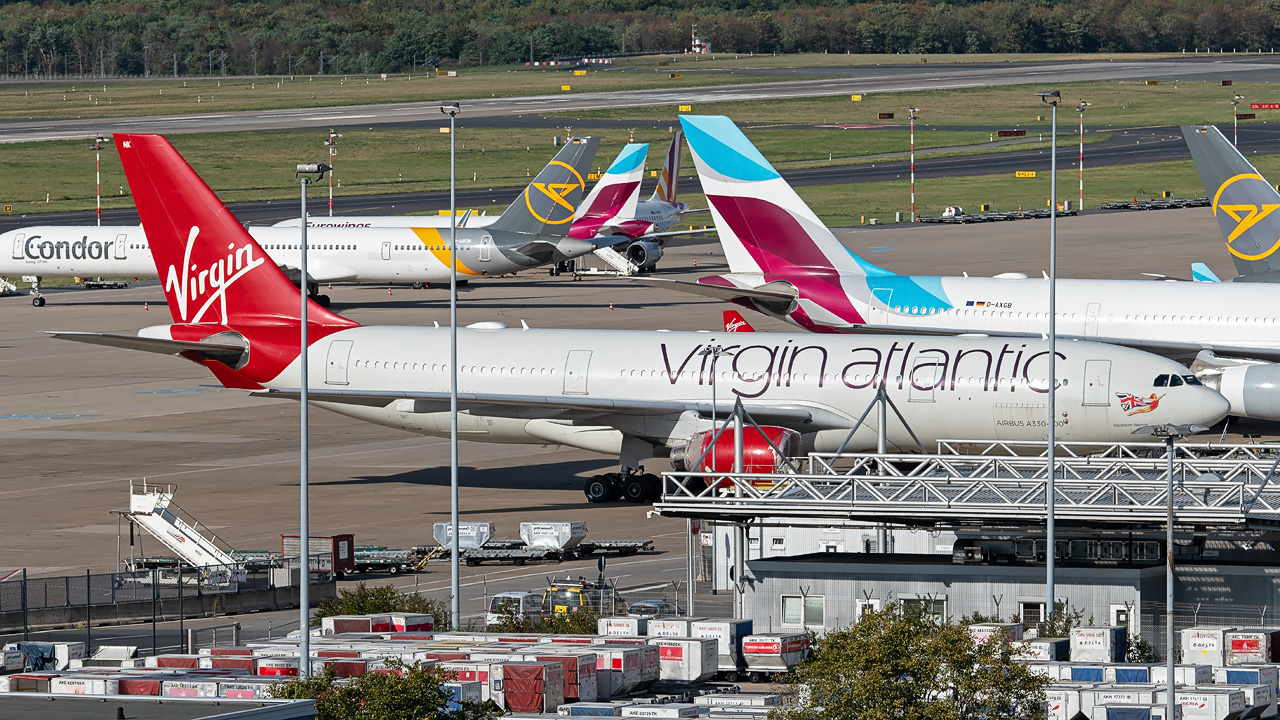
631, 394
638, 229
532, 232
786, 264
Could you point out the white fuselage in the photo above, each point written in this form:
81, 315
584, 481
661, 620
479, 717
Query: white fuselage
401, 254
655, 385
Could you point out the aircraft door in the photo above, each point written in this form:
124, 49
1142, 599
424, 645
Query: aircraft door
926, 374
1097, 382
881, 301
575, 372
18, 241
335, 371
386, 251
1091, 319
122, 244
485, 243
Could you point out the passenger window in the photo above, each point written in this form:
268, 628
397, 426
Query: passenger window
1175, 381
1161, 381
1192, 380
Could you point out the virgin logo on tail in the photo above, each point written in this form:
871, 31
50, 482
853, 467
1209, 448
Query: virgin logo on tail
208, 284
733, 322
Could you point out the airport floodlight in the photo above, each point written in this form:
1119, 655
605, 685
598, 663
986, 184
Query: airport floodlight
455, 580
317, 169
303, 175
1081, 108
450, 109
332, 144
1170, 434
1235, 120
912, 116
96, 147
1053, 97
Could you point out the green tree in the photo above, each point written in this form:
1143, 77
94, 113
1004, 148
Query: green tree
900, 663
365, 600
578, 623
407, 692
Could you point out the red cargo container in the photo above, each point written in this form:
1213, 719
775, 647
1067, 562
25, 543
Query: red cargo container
329, 552
141, 685
528, 687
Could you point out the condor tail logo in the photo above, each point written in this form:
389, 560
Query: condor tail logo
205, 286
1240, 207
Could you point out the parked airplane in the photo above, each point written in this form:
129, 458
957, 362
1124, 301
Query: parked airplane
786, 264
531, 232
632, 394
641, 229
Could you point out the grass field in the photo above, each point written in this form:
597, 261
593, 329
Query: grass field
258, 166
158, 95
1113, 104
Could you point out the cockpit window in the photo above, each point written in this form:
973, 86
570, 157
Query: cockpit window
1192, 380
1175, 381
1161, 381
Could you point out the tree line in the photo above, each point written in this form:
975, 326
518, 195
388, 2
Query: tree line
168, 37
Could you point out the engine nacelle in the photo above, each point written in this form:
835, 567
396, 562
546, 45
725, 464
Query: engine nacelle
757, 455
644, 253
1252, 390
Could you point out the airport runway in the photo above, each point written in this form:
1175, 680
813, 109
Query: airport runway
1126, 146
854, 79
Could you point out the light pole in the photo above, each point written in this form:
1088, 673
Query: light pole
332, 144
1053, 97
1235, 120
304, 532
98, 142
455, 607
146, 61
912, 117
1081, 108
1170, 434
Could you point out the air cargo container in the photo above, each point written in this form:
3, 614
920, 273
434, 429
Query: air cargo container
334, 553
527, 687
1252, 646
770, 653
1099, 644
1205, 645
729, 633
687, 660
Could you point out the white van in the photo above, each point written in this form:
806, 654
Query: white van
524, 604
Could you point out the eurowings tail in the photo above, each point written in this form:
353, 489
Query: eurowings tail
763, 224
614, 196
669, 178
548, 204
1243, 202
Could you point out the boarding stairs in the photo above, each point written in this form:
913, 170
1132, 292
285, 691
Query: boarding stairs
617, 261
7, 288
152, 508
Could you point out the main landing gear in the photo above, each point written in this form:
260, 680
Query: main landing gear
634, 487
37, 297
313, 290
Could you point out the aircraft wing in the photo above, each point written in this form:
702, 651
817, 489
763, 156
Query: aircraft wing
677, 233
320, 272
217, 351
790, 415
720, 292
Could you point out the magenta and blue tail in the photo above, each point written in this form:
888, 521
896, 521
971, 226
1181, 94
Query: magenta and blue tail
614, 196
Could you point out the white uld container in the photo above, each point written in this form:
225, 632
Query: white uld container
627, 626
1133, 712
13, 661
1007, 632
1208, 703
1268, 675
670, 627
1116, 695
466, 671
460, 692
1252, 646
84, 685
687, 660
412, 622
1205, 645
774, 652
617, 669
1258, 699
1098, 644
729, 633
1043, 649
245, 688
65, 652
276, 665
589, 709
562, 535
471, 535
189, 688
1062, 703
738, 700
1123, 674
663, 710
1185, 674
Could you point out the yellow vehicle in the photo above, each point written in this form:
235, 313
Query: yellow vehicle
570, 596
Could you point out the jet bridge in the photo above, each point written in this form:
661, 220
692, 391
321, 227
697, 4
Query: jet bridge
968, 484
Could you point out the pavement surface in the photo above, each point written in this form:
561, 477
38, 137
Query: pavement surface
841, 81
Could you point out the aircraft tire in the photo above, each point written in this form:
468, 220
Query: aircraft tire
417, 286
653, 486
37, 301
598, 489
322, 301
635, 489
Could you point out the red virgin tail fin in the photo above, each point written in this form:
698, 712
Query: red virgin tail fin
733, 322
213, 271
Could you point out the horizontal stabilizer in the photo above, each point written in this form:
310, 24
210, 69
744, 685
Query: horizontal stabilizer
720, 292
229, 354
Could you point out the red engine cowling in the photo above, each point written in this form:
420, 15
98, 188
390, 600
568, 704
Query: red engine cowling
757, 455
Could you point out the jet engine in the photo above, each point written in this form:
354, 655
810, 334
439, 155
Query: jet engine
697, 455
1252, 390
645, 253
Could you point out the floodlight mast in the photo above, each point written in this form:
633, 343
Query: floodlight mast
303, 175
455, 583
1053, 97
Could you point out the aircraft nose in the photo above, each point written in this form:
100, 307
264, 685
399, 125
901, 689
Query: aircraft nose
1213, 406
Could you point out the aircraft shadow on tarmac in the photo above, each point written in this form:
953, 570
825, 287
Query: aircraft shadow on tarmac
552, 476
